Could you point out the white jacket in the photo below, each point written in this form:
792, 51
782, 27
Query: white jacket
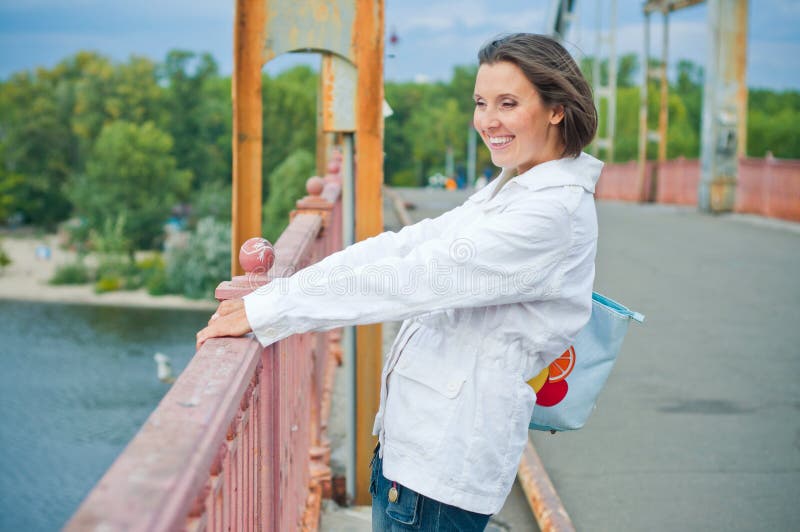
491, 293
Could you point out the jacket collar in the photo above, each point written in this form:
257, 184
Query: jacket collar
582, 171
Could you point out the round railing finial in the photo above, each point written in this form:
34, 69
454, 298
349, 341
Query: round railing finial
315, 185
334, 166
256, 255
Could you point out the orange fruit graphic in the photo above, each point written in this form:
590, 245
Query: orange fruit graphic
538, 381
562, 366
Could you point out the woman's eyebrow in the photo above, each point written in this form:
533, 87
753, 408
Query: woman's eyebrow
504, 95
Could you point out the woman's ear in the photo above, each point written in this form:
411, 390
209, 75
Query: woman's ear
556, 114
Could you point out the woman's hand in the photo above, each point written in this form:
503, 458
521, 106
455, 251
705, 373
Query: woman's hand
229, 320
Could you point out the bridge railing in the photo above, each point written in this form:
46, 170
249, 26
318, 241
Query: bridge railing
239, 441
767, 187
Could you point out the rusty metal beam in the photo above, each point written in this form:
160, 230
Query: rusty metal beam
309, 26
663, 107
668, 6
247, 125
739, 53
643, 101
724, 104
323, 139
542, 496
368, 39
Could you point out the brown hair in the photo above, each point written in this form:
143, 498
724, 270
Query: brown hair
557, 79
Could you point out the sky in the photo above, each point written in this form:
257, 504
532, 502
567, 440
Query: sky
434, 35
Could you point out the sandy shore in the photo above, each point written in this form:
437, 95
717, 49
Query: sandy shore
26, 279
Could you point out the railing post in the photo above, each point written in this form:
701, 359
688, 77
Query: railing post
321, 200
256, 258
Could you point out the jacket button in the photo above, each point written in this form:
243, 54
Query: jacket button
270, 332
452, 387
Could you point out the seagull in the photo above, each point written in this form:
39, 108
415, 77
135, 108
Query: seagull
164, 368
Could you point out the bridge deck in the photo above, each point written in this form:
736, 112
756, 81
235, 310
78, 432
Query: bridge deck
697, 428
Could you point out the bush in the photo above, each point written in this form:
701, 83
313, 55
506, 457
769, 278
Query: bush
157, 283
75, 234
72, 273
197, 269
153, 275
405, 178
109, 283
119, 271
5, 260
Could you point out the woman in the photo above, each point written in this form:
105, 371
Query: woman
491, 293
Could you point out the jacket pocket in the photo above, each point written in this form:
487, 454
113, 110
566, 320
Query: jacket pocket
422, 400
498, 414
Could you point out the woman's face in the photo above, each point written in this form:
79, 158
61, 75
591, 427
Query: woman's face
519, 130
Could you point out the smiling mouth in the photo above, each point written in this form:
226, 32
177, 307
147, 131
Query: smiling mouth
498, 143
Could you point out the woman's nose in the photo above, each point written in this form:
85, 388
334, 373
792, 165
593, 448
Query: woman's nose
486, 119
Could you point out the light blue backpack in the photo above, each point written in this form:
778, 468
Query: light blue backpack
567, 390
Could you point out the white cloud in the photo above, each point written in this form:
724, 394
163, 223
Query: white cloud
465, 15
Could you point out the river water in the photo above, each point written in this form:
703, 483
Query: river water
76, 383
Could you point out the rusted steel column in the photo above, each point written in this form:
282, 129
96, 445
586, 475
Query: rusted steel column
323, 138
545, 502
368, 39
663, 108
643, 129
723, 108
248, 38
740, 75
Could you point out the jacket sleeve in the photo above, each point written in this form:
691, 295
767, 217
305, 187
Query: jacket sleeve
500, 258
387, 244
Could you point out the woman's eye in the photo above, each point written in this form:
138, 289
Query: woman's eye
508, 105
479, 103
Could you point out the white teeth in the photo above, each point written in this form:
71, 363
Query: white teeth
497, 141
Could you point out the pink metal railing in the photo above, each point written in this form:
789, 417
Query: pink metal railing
678, 180
239, 442
768, 187
619, 181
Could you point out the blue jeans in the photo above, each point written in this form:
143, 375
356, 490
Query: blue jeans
413, 511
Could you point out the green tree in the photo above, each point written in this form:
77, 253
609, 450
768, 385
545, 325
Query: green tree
287, 184
399, 167
289, 118
194, 122
772, 120
130, 173
196, 269
36, 144
627, 69
106, 93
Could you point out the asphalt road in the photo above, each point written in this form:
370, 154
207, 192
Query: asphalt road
699, 426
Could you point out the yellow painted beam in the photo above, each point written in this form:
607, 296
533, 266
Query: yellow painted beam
368, 44
247, 125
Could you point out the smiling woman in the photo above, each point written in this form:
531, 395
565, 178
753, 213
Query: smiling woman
541, 101
455, 403
519, 130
